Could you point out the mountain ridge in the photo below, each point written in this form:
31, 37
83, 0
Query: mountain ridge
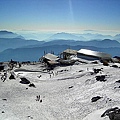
6, 43
8, 34
66, 36
22, 49
103, 43
33, 54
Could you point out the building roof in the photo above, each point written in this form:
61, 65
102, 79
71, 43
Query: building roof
94, 53
52, 57
70, 51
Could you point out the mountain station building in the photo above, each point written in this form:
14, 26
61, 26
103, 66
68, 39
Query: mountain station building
67, 53
93, 55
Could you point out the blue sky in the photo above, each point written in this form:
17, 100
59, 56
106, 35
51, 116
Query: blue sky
60, 15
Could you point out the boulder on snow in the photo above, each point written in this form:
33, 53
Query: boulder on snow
97, 70
115, 66
24, 81
70, 87
118, 81
12, 76
101, 78
32, 85
113, 113
94, 99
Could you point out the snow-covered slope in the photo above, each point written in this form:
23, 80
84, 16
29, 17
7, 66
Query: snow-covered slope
65, 93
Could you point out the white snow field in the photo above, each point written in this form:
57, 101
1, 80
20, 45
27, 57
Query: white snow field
64, 93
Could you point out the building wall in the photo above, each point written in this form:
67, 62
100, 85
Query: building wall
86, 57
66, 56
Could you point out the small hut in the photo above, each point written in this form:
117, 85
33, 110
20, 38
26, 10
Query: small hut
50, 59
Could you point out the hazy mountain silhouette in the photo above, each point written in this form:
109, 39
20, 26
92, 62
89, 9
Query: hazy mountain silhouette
106, 43
117, 37
13, 40
96, 43
82, 37
6, 43
91, 36
34, 52
65, 36
20, 49
7, 34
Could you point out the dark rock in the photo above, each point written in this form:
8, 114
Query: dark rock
3, 112
118, 81
101, 78
30, 117
12, 77
115, 66
40, 101
116, 87
94, 99
105, 63
4, 99
94, 62
24, 81
31, 85
97, 70
1, 67
70, 87
113, 113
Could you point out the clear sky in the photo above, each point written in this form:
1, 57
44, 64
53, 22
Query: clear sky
60, 15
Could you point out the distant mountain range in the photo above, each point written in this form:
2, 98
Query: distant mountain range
7, 34
85, 36
82, 37
65, 36
106, 43
90, 36
12, 40
17, 48
33, 54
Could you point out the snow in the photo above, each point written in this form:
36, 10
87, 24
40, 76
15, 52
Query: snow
66, 93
